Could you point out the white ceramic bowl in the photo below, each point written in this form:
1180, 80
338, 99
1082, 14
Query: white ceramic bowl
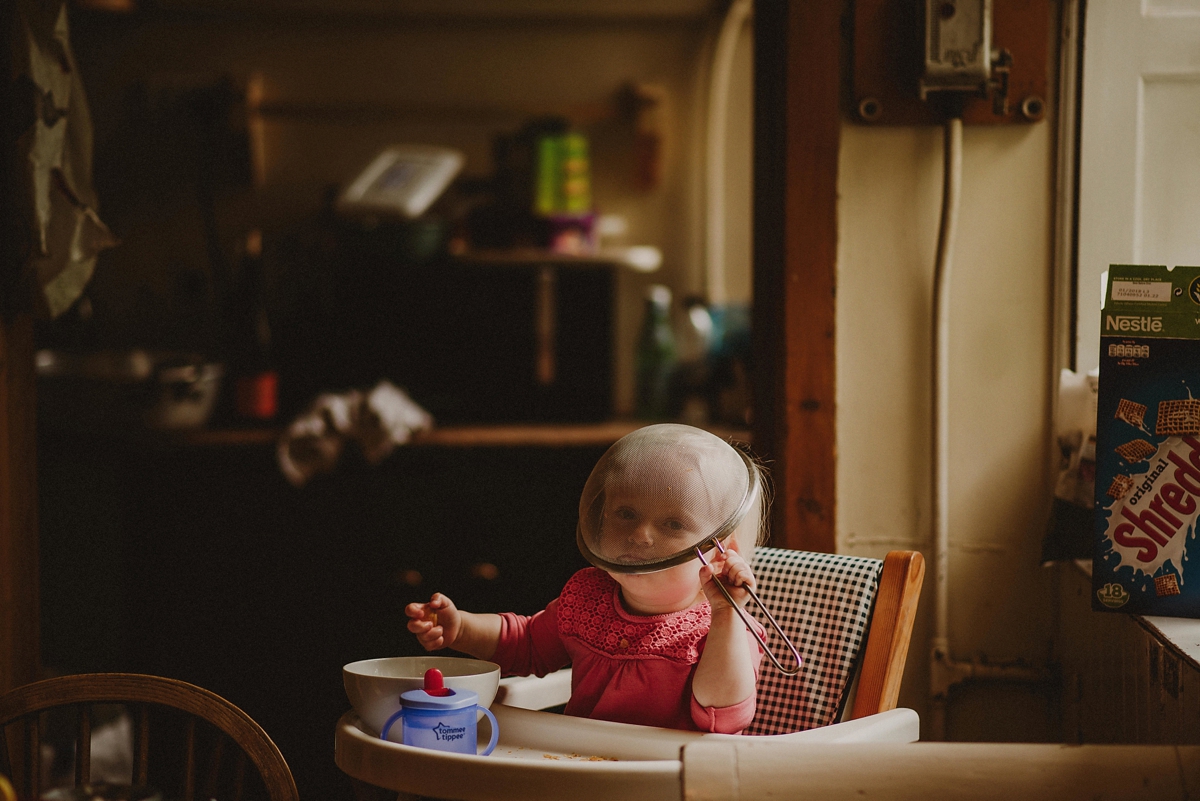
374, 685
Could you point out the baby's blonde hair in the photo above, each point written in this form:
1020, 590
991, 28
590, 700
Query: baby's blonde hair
758, 518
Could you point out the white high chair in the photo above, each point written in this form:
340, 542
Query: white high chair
828, 604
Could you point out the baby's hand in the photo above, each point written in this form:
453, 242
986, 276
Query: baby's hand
437, 624
732, 571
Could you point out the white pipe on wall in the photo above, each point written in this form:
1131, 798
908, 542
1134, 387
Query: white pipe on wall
951, 192
718, 112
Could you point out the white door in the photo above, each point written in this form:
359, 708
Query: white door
1139, 180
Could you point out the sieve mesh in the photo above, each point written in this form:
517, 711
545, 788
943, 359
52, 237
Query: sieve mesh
658, 493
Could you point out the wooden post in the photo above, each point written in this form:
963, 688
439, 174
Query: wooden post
19, 608
19, 613
797, 132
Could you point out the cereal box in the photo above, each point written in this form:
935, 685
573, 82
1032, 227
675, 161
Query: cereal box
1146, 558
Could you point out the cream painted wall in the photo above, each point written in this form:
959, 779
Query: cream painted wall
1001, 602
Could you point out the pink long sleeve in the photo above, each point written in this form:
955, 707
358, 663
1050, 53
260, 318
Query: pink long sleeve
731, 719
530, 645
725, 719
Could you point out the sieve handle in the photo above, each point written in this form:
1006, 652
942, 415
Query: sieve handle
746, 619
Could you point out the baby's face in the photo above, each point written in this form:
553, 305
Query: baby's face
670, 590
638, 526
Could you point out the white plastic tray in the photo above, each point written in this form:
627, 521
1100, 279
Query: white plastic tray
542, 755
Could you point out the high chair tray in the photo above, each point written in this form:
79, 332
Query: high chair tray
540, 755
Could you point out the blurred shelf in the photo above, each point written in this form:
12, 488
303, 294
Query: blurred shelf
220, 437
537, 435
550, 435
640, 258
631, 11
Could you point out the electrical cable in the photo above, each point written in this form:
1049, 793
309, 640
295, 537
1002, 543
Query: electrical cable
951, 192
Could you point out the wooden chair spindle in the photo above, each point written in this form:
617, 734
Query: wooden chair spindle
189, 765
83, 746
5, 763
214, 767
239, 776
141, 747
33, 757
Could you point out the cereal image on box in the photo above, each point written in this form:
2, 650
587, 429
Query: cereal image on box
1153, 524
1166, 585
1135, 450
1176, 417
1120, 486
1132, 413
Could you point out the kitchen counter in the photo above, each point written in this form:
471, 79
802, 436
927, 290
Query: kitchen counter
1126, 678
1180, 634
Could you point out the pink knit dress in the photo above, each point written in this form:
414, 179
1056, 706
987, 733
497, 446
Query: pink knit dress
625, 668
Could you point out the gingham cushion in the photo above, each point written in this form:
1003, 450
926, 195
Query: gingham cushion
823, 602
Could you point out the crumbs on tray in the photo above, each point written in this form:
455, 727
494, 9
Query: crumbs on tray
580, 756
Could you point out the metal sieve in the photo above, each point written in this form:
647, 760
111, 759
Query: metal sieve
664, 495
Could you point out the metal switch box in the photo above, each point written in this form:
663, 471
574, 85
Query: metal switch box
958, 46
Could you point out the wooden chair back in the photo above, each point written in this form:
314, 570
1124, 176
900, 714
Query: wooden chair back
890, 632
849, 616
193, 729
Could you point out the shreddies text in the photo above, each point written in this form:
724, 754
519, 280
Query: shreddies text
1153, 527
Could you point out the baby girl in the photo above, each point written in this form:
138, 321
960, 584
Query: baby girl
649, 635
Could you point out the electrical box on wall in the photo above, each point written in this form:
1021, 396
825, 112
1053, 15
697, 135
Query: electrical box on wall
991, 55
958, 46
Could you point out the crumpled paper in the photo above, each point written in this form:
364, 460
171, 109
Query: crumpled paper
1075, 434
56, 150
377, 421
1069, 531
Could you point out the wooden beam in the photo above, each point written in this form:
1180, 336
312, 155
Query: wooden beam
797, 133
19, 611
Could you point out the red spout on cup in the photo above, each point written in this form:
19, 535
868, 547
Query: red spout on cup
435, 684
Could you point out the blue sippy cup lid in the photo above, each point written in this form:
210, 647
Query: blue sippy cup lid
436, 695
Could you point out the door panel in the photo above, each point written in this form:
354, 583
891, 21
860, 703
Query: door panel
1169, 172
1140, 146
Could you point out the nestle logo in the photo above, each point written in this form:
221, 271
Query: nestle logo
1130, 322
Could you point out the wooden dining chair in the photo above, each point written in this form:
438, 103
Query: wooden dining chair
190, 756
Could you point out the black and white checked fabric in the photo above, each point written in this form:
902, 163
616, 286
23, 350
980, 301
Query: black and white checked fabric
823, 601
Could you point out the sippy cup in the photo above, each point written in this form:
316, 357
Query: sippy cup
440, 718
